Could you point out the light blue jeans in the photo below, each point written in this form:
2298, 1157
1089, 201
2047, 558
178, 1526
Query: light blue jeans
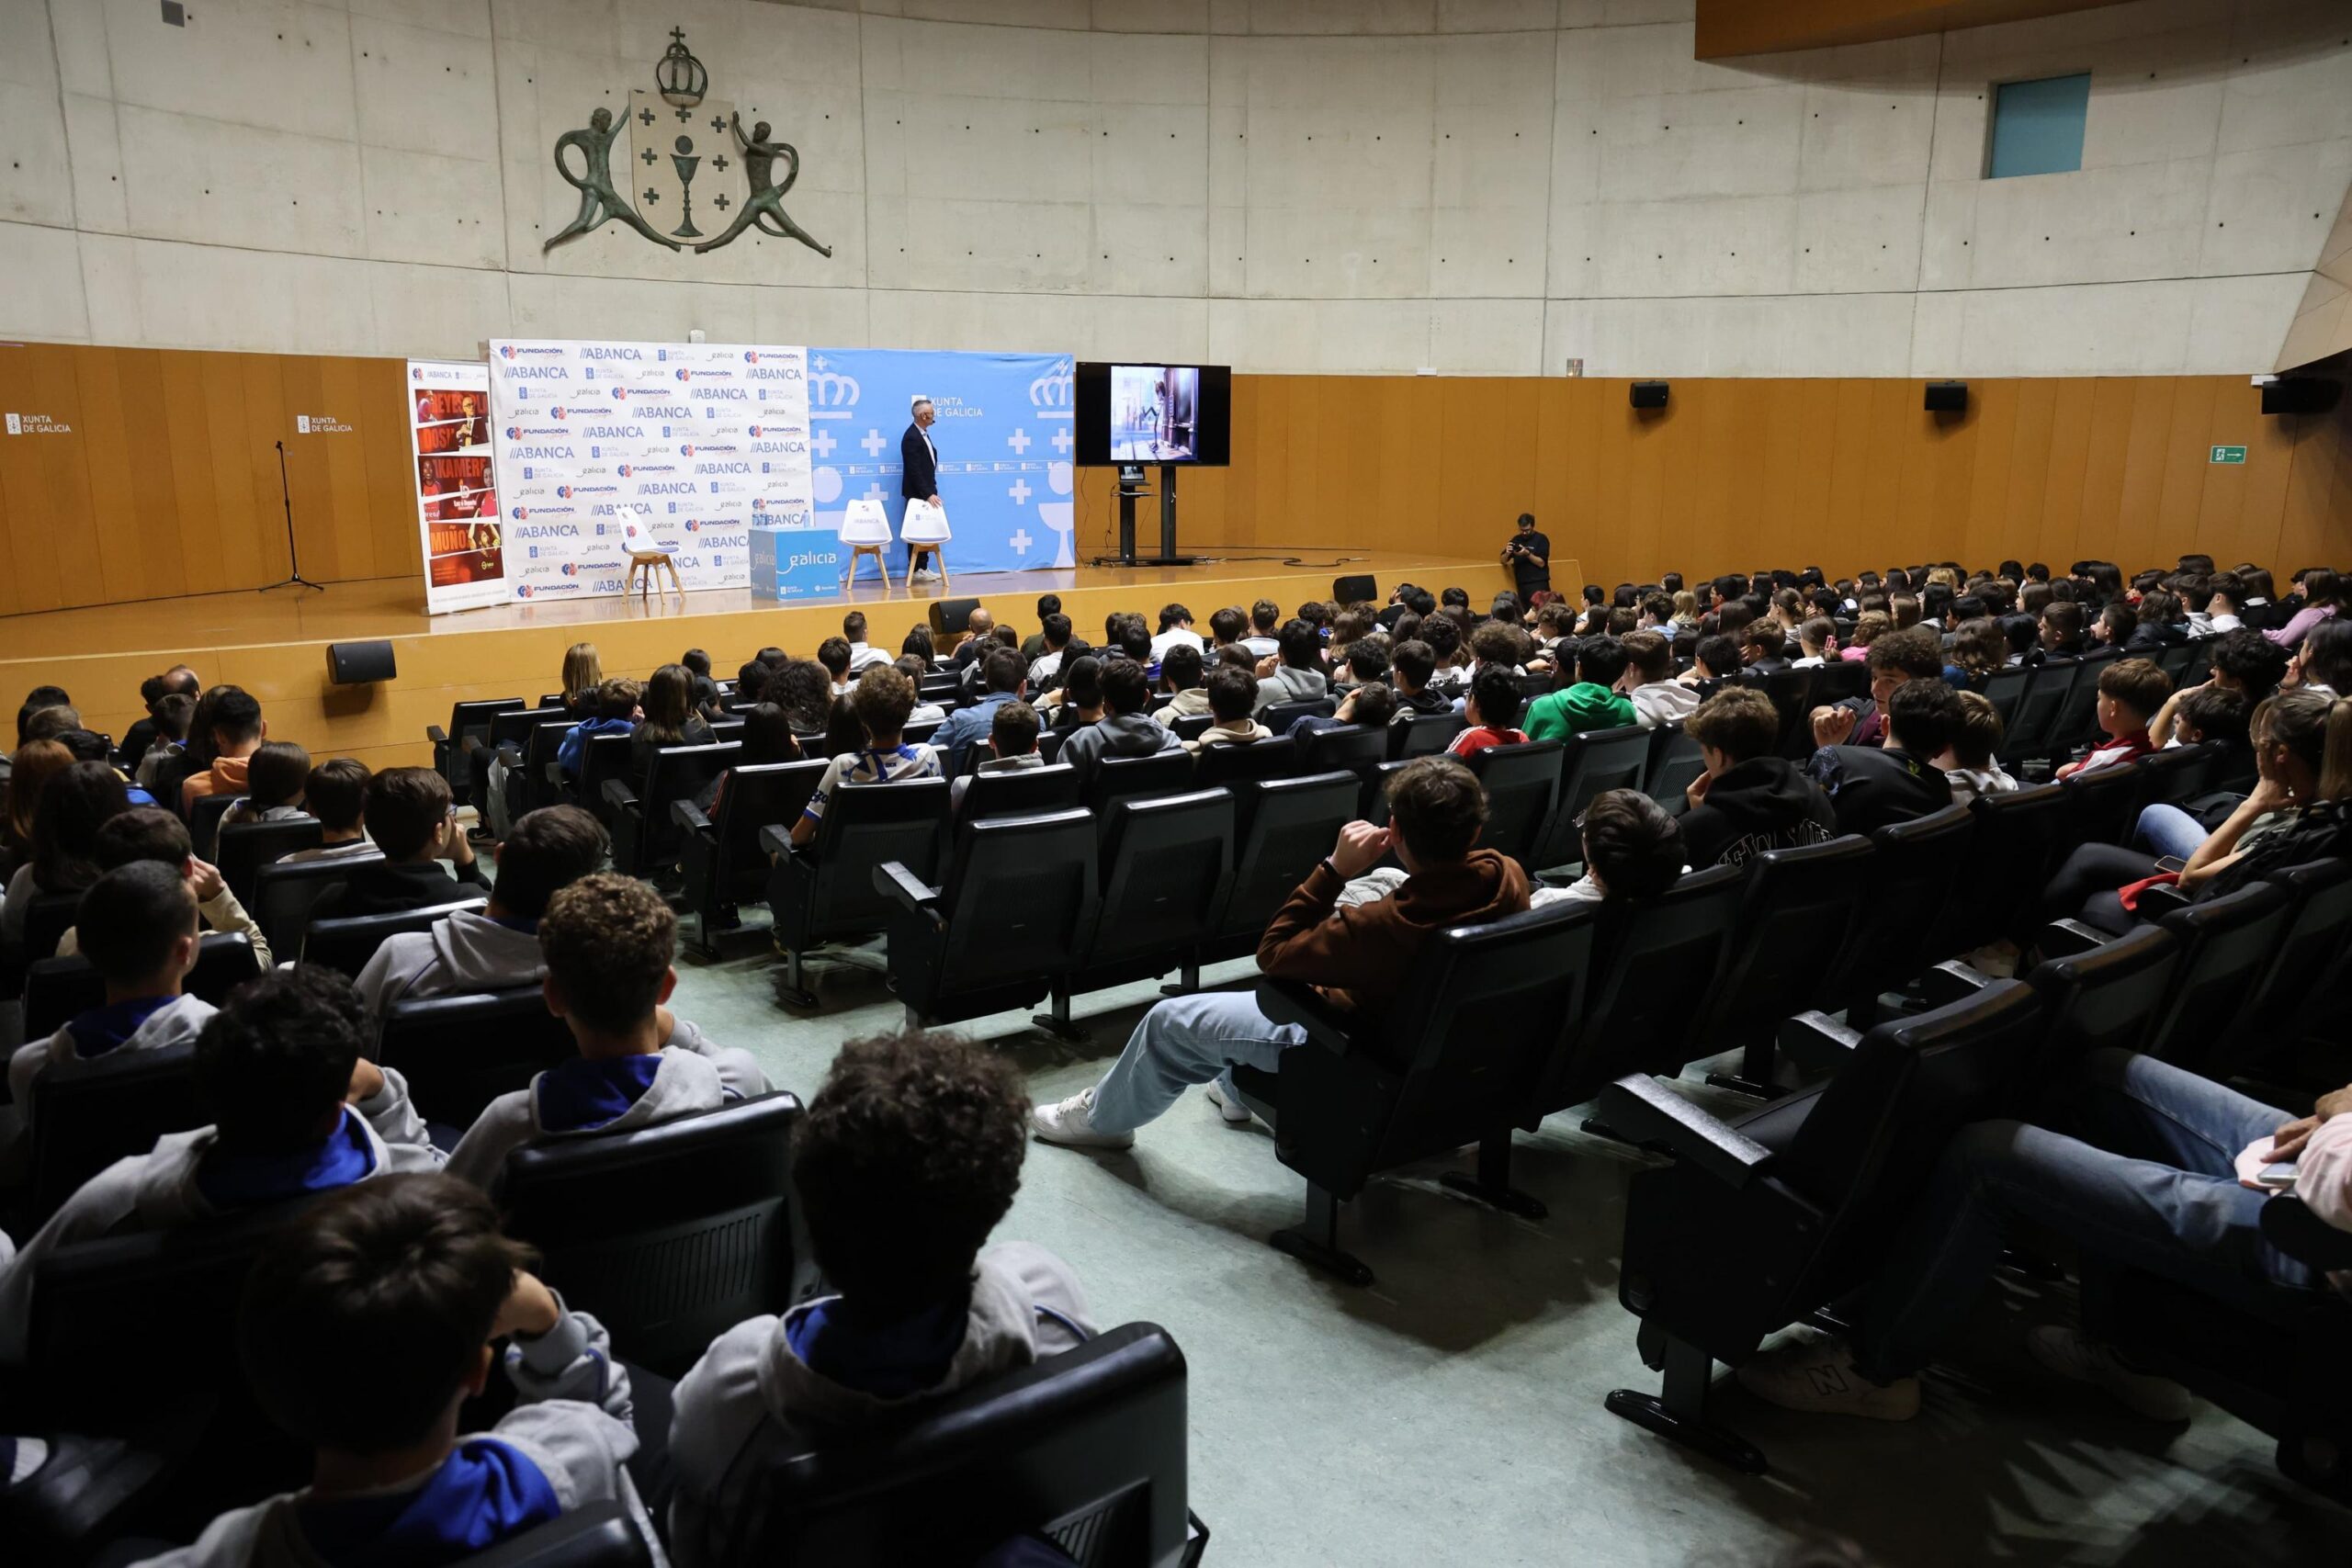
2155, 1189
2168, 831
1185, 1041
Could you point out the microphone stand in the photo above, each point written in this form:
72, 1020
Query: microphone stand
294, 578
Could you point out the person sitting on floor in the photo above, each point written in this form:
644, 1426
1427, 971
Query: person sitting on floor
1126, 727
882, 701
295, 1109
1488, 709
1872, 786
907, 1158
1590, 701
1233, 696
2131, 693
336, 793
1360, 955
143, 933
276, 775
1750, 799
364, 1330
1013, 748
409, 817
497, 948
607, 942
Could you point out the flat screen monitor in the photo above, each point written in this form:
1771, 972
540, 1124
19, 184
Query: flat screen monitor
1154, 413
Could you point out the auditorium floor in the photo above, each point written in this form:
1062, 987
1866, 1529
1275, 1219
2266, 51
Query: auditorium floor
1452, 1414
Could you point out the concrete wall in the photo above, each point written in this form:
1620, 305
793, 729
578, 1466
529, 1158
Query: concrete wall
1472, 186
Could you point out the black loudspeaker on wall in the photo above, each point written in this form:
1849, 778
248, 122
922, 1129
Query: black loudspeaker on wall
356, 663
1649, 394
2300, 394
952, 618
1947, 397
1354, 590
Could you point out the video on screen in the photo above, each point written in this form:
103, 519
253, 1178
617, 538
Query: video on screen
1154, 413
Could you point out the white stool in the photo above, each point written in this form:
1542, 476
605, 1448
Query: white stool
925, 528
865, 529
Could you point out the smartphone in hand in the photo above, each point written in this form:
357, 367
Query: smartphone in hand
2277, 1178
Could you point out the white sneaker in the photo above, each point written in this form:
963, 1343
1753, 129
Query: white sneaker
2074, 1355
922, 575
1235, 1113
1070, 1123
1820, 1380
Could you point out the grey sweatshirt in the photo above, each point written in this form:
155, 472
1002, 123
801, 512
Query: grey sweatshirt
466, 952
750, 1398
157, 1191
177, 1023
695, 1075
571, 1421
1289, 683
1663, 702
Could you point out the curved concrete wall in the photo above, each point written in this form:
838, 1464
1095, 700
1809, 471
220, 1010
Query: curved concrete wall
1468, 186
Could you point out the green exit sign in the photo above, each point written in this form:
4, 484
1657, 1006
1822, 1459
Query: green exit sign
2229, 455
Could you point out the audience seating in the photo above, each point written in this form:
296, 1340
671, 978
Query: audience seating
826, 892
2103, 803
1356, 748
595, 1535
1192, 726
47, 919
2020, 836
469, 722
1166, 862
531, 770
1455, 1060
1590, 762
671, 1234
348, 945
1279, 716
645, 835
605, 759
1906, 891
1015, 907
92, 1113
459, 1052
1764, 1221
1424, 735
1087, 1447
723, 860
203, 816
2313, 946
2028, 731
283, 895
2095, 1001
1019, 793
2076, 723
244, 849
2006, 689
1119, 778
1274, 757
1291, 824
57, 990
1795, 916
1049, 744
1523, 784
2226, 945
1675, 765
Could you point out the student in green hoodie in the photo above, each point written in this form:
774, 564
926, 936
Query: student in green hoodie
1590, 701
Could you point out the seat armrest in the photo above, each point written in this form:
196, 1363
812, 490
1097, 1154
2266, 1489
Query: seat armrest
1294, 1001
2288, 1225
618, 793
1954, 981
776, 839
2064, 939
555, 774
2154, 903
689, 816
438, 736
1648, 1112
895, 882
1818, 1043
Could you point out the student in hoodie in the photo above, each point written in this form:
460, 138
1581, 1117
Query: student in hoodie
336, 793
1592, 701
1182, 671
152, 833
907, 1159
1294, 673
237, 732
275, 776
364, 1330
1411, 666
615, 714
1749, 800
1872, 786
1126, 727
1658, 697
1362, 954
1233, 694
1968, 760
143, 932
2132, 691
607, 941
295, 1109
497, 948
409, 817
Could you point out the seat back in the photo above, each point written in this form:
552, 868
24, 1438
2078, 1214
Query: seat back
283, 895
763, 796
869, 824
2076, 722
2105, 997
1355, 748
1424, 735
1190, 725
1166, 864
2312, 945
1675, 762
2226, 944
60, 990
1841, 678
1914, 867
459, 1052
47, 919
1120, 778
536, 789
604, 757
677, 772
203, 816
1280, 716
595, 1535
513, 726
2019, 837
468, 721
1017, 907
1648, 957
671, 1234
346, 945
2028, 733
1019, 793
1276, 758
1796, 913
244, 849
1087, 1447
1592, 763
1791, 694
2102, 804
2006, 689
1522, 785
2179, 659
2168, 777
94, 1112
1292, 825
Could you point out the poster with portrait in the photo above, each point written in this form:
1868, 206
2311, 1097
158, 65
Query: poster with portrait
456, 495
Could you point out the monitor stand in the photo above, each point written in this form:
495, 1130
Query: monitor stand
1131, 490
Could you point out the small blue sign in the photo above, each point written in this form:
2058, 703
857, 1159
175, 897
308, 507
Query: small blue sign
791, 564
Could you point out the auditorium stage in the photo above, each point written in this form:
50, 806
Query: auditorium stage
273, 644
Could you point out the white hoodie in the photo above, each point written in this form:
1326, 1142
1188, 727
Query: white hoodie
751, 1393
695, 1075
1663, 702
467, 952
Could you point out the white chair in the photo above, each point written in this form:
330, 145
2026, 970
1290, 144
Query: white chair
925, 528
865, 529
646, 555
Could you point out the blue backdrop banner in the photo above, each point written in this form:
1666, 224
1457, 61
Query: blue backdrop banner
1004, 435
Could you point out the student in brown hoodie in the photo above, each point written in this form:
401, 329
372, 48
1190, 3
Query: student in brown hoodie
1360, 955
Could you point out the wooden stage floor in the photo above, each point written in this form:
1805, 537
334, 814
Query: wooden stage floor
273, 644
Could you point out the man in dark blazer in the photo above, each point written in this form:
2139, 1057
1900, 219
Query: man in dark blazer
919, 476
